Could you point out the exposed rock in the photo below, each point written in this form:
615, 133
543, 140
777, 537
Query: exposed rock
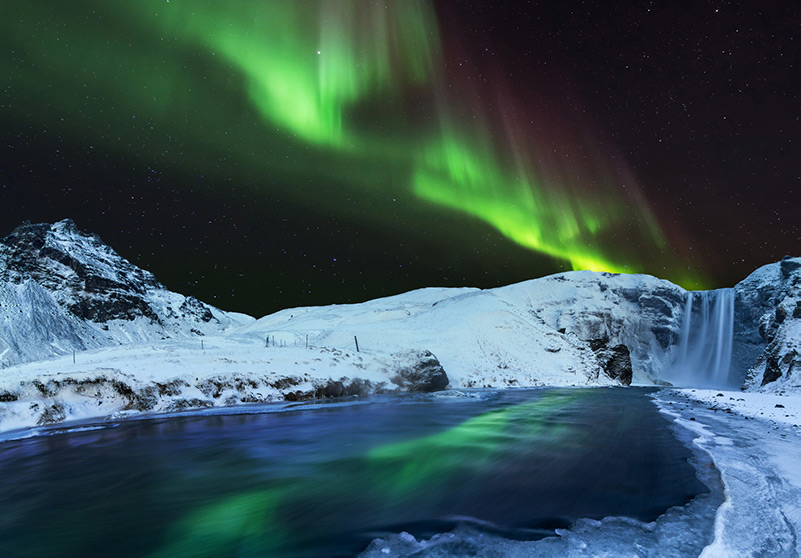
772, 371
615, 361
769, 325
52, 414
779, 364
419, 371
188, 404
333, 389
789, 265
87, 276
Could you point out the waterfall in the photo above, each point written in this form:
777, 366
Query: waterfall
703, 355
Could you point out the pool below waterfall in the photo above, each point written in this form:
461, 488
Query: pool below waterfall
345, 478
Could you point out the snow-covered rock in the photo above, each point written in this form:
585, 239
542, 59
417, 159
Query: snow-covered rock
62, 290
178, 375
640, 312
770, 325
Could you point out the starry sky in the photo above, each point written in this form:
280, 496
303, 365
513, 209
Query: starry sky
262, 154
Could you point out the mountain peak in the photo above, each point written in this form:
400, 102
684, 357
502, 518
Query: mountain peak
62, 289
85, 275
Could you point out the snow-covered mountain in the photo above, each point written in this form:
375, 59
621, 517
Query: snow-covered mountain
142, 348
62, 290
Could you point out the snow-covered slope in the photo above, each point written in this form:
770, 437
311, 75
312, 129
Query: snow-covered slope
639, 311
480, 339
541, 332
63, 290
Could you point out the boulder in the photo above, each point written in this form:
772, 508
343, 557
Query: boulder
419, 370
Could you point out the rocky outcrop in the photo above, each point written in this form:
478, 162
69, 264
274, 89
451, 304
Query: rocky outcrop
769, 326
419, 371
615, 361
63, 290
85, 275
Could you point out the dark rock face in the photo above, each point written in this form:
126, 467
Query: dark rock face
419, 371
779, 364
788, 265
661, 307
89, 278
193, 306
333, 389
615, 361
85, 275
772, 371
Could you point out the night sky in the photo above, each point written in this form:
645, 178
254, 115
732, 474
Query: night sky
275, 153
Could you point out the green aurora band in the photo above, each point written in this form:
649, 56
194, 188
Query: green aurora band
351, 94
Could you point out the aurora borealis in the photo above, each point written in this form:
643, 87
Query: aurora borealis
307, 152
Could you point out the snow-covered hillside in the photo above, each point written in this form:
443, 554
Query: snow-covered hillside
549, 331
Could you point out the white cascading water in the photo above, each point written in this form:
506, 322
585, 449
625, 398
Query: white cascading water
703, 356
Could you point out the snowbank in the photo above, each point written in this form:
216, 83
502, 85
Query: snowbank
172, 376
780, 407
758, 460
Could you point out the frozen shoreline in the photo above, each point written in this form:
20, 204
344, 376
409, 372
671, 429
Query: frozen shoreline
757, 448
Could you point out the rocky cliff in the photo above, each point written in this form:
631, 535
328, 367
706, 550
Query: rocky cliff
768, 326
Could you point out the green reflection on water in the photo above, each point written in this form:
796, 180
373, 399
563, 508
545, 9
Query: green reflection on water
399, 481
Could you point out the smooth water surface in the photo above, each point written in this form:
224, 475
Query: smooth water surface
327, 481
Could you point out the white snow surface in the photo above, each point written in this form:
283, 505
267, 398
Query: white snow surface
757, 449
530, 333
778, 407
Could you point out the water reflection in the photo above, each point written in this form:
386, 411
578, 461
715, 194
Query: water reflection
327, 481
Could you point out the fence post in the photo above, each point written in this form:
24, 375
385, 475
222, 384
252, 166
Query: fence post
357, 343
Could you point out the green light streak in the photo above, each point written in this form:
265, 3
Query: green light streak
410, 468
307, 63
451, 175
242, 525
291, 97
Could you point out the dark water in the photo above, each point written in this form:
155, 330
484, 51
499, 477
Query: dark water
326, 481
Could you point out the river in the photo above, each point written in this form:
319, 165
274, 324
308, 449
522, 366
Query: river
336, 479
